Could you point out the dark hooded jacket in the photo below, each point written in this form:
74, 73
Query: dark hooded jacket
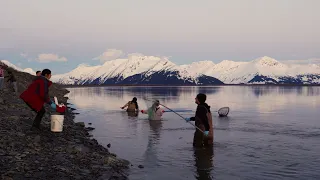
37, 93
201, 117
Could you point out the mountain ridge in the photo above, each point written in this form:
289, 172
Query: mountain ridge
26, 70
141, 69
227, 72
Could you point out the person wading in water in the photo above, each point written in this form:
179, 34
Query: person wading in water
203, 120
155, 112
132, 105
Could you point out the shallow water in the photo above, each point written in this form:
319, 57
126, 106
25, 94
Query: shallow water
270, 133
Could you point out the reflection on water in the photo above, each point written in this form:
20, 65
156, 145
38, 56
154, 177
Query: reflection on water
271, 132
281, 90
132, 113
266, 98
203, 162
150, 155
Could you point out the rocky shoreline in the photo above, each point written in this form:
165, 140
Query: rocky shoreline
71, 154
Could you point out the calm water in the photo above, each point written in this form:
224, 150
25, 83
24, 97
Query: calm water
270, 133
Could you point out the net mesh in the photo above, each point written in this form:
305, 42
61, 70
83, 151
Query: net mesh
223, 111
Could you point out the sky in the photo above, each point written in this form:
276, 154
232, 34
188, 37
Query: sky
60, 34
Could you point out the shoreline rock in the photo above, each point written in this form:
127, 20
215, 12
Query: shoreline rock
70, 154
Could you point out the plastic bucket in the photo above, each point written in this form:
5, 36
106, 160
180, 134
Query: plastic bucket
57, 123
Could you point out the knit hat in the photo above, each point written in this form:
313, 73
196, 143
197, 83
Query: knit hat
156, 102
201, 98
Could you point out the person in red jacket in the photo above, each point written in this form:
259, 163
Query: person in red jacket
37, 94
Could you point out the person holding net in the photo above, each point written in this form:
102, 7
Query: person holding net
203, 120
155, 112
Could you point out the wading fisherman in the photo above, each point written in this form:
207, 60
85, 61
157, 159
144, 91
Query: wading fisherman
132, 105
203, 120
155, 112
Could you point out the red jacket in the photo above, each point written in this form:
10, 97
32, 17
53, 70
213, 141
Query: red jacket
37, 93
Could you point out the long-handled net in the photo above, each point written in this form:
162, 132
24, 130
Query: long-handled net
182, 117
223, 112
155, 101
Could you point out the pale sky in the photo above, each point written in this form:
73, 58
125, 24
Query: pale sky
60, 34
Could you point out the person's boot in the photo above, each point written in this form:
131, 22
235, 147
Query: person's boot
35, 128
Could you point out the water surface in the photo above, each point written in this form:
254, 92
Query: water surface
271, 132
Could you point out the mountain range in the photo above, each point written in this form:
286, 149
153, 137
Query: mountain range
151, 70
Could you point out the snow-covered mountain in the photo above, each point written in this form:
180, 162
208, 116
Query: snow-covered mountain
27, 70
251, 72
139, 69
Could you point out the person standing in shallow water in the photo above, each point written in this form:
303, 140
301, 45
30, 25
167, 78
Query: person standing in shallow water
203, 120
155, 112
37, 94
132, 105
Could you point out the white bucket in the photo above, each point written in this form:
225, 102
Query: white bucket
57, 123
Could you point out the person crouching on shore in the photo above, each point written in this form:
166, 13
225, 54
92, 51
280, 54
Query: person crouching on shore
37, 94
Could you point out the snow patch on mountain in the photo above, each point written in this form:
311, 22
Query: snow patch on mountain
195, 69
30, 71
81, 73
27, 70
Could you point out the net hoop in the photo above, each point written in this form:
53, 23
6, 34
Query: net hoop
224, 111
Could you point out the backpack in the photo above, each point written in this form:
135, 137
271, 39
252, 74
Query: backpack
210, 138
131, 105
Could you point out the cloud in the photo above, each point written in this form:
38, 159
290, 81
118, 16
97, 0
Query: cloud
108, 55
307, 61
45, 58
24, 55
135, 54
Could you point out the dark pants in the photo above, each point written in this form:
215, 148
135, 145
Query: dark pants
199, 139
38, 118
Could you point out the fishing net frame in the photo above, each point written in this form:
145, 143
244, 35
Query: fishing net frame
224, 111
